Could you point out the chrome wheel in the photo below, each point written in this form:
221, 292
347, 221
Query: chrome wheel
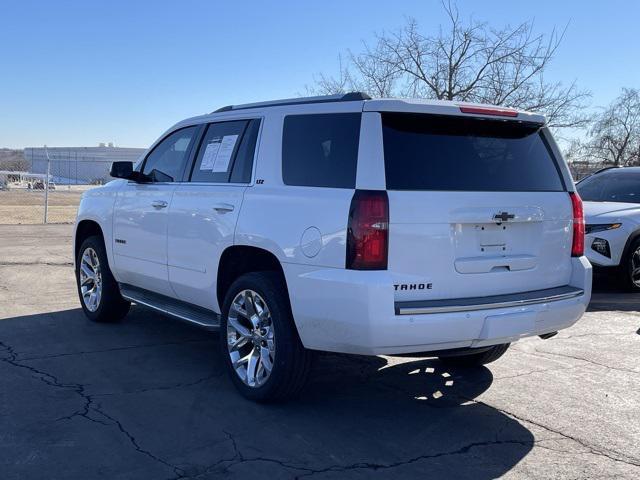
250, 338
90, 279
635, 267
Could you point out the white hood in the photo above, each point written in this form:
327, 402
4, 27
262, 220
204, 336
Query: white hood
595, 209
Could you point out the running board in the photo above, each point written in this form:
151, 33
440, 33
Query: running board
170, 306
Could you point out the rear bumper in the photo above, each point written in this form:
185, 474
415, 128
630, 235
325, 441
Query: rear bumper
354, 312
488, 303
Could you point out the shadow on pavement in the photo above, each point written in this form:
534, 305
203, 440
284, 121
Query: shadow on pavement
610, 295
148, 398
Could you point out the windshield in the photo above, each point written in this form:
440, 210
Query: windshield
619, 186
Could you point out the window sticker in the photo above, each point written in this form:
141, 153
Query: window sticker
224, 153
210, 153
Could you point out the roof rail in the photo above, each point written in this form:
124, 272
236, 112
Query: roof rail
346, 97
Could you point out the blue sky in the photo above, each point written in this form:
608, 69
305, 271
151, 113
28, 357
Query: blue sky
75, 73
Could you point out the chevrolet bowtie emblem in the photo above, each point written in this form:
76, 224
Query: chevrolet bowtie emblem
504, 216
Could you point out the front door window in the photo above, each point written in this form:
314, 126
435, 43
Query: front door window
167, 160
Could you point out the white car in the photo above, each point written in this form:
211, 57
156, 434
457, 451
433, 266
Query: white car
342, 224
612, 214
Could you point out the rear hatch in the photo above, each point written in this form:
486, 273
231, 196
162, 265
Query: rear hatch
477, 206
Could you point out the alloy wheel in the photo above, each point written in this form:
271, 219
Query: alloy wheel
635, 267
251, 338
90, 279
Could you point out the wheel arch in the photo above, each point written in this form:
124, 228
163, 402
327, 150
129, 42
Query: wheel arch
635, 235
237, 260
84, 229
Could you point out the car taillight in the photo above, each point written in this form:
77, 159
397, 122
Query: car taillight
501, 112
577, 247
368, 231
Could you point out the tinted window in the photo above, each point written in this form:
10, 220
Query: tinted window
611, 187
592, 188
243, 164
167, 160
429, 152
217, 152
321, 150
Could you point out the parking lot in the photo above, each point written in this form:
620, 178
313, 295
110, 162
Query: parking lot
148, 398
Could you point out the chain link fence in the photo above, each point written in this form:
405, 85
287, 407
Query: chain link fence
50, 190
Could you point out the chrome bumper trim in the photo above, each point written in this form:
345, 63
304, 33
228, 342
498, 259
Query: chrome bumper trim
487, 303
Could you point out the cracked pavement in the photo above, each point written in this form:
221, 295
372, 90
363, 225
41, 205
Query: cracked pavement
148, 399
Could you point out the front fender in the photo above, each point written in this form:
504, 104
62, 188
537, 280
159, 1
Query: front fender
97, 206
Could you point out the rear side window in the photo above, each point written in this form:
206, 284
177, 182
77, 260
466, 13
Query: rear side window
226, 152
321, 150
611, 187
434, 152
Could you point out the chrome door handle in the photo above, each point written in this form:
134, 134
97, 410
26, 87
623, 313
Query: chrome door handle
159, 204
223, 207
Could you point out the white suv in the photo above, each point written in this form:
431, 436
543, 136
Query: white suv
342, 224
612, 214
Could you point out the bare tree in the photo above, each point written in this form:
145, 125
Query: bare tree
614, 135
13, 160
464, 60
329, 85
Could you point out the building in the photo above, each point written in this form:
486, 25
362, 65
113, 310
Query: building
79, 165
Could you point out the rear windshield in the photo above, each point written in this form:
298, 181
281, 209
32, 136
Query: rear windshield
434, 152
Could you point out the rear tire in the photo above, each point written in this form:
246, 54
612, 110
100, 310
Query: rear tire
258, 334
98, 290
631, 267
476, 359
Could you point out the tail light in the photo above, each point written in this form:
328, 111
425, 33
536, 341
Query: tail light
577, 248
502, 112
368, 231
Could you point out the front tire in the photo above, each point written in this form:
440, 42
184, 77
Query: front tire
259, 341
476, 359
98, 290
631, 267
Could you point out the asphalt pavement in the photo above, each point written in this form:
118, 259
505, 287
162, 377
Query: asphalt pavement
148, 398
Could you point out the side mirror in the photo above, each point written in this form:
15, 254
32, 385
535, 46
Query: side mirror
122, 170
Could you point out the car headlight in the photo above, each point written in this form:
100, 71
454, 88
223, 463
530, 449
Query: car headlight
601, 227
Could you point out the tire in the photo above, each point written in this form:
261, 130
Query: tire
107, 305
476, 359
251, 346
631, 267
